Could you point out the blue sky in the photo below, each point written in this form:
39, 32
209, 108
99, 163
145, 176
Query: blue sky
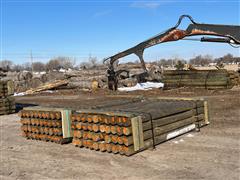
77, 29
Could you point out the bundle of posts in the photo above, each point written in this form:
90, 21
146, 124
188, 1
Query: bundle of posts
234, 78
130, 128
46, 124
208, 79
7, 102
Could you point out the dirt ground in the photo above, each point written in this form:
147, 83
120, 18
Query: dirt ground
212, 153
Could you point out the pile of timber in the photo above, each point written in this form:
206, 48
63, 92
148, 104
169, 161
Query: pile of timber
46, 124
208, 79
132, 127
83, 79
7, 102
234, 78
125, 126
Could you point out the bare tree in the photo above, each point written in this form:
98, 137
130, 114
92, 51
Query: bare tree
6, 64
180, 64
60, 62
165, 62
53, 64
92, 62
27, 66
228, 58
201, 60
38, 66
17, 67
66, 62
236, 59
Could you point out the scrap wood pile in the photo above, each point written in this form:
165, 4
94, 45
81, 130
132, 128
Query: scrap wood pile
83, 79
46, 124
208, 79
127, 76
25, 80
7, 103
47, 86
133, 127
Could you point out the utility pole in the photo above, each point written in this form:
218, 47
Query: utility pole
89, 56
31, 58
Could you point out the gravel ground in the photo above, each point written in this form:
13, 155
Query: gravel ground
213, 153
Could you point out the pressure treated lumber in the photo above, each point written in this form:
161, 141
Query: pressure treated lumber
124, 127
128, 140
195, 72
7, 103
208, 79
129, 150
113, 130
116, 129
48, 124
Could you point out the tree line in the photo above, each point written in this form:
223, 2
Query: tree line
201, 60
92, 62
53, 64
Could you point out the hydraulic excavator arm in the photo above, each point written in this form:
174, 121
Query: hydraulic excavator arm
222, 34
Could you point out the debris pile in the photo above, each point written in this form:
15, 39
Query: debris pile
133, 127
46, 124
7, 102
47, 86
83, 79
25, 80
128, 75
208, 79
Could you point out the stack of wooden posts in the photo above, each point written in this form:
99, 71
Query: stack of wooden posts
234, 78
7, 102
46, 124
208, 79
133, 127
